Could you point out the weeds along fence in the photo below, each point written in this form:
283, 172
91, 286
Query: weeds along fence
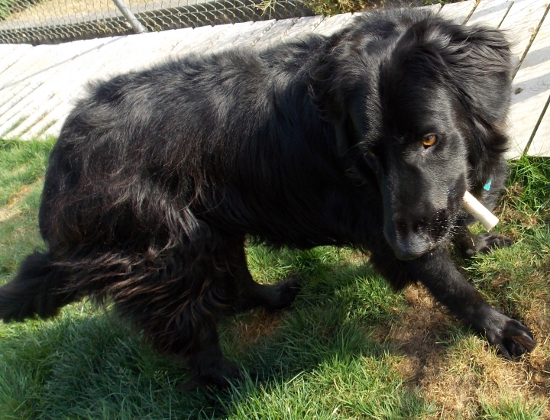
55, 21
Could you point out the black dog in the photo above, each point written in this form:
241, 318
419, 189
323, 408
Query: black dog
367, 138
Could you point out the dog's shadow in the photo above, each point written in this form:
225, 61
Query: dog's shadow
335, 317
341, 316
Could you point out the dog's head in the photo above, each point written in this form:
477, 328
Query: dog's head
425, 121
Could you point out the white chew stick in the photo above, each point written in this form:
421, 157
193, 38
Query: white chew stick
479, 211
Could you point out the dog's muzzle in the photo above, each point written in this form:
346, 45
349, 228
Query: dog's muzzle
412, 239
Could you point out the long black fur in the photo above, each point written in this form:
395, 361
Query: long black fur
158, 177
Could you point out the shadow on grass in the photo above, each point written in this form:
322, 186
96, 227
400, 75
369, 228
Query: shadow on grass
315, 357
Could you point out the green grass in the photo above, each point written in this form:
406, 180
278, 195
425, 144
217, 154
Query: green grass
21, 163
338, 353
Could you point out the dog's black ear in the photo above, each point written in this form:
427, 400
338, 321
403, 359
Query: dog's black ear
333, 105
480, 65
342, 84
475, 61
480, 68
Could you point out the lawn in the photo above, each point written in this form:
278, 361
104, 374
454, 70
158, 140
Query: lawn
348, 348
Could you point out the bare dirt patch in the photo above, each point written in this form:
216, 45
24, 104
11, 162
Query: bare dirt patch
11, 209
417, 335
461, 376
253, 328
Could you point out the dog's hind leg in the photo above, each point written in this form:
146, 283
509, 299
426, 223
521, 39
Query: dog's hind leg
470, 244
272, 297
178, 309
178, 305
210, 366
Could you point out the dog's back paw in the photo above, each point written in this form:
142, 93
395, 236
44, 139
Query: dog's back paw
219, 373
285, 292
487, 241
482, 244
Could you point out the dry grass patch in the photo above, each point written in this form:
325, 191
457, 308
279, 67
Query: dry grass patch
249, 330
458, 372
471, 377
12, 209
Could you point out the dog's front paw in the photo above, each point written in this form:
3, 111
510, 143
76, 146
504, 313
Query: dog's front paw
511, 337
485, 242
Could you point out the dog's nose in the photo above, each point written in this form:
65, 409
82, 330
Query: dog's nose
409, 240
411, 247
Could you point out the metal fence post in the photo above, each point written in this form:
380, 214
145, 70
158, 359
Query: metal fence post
138, 27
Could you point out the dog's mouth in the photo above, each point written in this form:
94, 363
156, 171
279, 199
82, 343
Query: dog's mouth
412, 239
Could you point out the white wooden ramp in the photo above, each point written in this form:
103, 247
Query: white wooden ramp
39, 85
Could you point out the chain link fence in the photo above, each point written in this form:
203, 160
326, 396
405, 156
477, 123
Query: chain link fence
54, 21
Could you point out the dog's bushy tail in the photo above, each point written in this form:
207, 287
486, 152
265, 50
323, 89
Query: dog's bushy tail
37, 289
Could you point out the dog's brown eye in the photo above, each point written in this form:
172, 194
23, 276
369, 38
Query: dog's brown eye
429, 140
372, 154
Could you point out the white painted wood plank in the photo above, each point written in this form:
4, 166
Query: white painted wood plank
11, 58
255, 33
9, 111
521, 22
188, 37
532, 81
458, 12
8, 95
332, 24
435, 8
6, 48
490, 12
200, 40
276, 32
231, 36
45, 56
41, 57
169, 40
135, 54
82, 69
9, 118
25, 64
530, 90
303, 27
38, 86
145, 50
248, 36
540, 146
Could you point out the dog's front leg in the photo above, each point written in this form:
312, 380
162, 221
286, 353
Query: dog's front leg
438, 273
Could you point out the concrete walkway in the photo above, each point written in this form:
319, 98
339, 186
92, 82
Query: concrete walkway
38, 85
